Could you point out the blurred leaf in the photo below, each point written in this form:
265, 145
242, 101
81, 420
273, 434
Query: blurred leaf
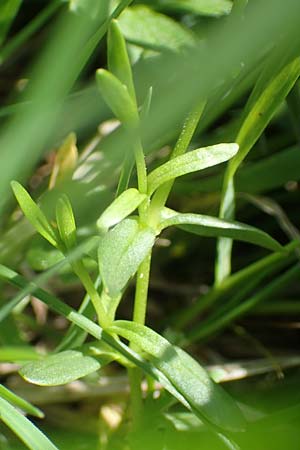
8, 11
209, 328
65, 161
41, 257
205, 398
66, 222
34, 214
32, 437
270, 206
19, 402
262, 105
18, 353
147, 28
213, 227
89, 7
120, 208
201, 7
265, 99
121, 251
60, 368
117, 97
118, 61
190, 162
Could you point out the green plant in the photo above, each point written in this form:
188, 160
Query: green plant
172, 396
124, 246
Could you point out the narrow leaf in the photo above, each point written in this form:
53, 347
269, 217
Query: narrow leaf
261, 107
96, 331
60, 368
190, 162
120, 208
8, 11
209, 400
121, 251
66, 222
117, 97
34, 214
264, 101
32, 437
213, 227
19, 402
118, 61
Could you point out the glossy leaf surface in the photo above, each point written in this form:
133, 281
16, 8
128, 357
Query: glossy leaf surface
121, 251
204, 397
120, 208
60, 368
193, 161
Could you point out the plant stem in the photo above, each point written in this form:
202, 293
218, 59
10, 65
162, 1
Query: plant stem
139, 315
89, 286
141, 293
185, 137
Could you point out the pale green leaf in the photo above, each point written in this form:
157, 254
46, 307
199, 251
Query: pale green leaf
34, 214
66, 222
147, 28
199, 7
121, 251
214, 227
32, 437
190, 162
117, 97
120, 208
209, 400
118, 61
60, 368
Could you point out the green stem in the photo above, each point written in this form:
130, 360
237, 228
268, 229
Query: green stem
89, 286
141, 293
161, 195
139, 316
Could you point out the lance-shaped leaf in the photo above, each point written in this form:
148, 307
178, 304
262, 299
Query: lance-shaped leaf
190, 162
118, 61
32, 437
120, 208
20, 402
66, 222
262, 105
97, 332
215, 227
34, 214
121, 251
187, 376
60, 368
117, 97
